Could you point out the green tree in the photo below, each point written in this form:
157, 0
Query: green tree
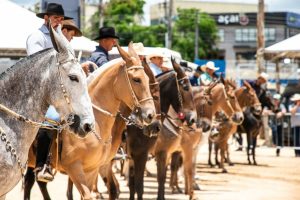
184, 34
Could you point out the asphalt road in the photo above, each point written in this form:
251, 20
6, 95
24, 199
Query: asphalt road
276, 178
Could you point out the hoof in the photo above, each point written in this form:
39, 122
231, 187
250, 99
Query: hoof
196, 186
224, 171
231, 164
176, 191
255, 163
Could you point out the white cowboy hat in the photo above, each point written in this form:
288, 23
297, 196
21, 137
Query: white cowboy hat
155, 55
277, 96
209, 65
139, 48
295, 97
264, 76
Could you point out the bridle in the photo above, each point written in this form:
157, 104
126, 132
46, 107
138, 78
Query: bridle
137, 103
69, 120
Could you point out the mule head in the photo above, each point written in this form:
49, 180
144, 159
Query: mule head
189, 112
238, 116
68, 88
248, 97
138, 96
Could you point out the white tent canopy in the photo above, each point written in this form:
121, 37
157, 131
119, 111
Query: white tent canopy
290, 44
287, 48
17, 23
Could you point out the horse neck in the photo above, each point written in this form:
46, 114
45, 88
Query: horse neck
241, 97
220, 100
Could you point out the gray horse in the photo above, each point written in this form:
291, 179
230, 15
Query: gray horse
50, 77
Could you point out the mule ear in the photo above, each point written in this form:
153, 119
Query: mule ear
52, 36
176, 66
132, 53
60, 43
149, 72
124, 55
222, 80
247, 85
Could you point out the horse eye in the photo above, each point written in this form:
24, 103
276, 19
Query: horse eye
137, 80
73, 78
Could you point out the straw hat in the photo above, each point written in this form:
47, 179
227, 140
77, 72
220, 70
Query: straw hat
139, 48
209, 65
70, 25
264, 76
295, 97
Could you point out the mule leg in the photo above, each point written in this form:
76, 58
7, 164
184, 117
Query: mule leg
228, 156
2, 197
139, 168
222, 149
248, 148
70, 189
176, 162
217, 154
161, 173
29, 181
188, 172
253, 150
131, 182
110, 181
195, 153
43, 188
78, 177
209, 152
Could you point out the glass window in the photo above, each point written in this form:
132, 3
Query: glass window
238, 35
221, 35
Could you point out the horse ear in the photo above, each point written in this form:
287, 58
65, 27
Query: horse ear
149, 72
247, 85
60, 43
222, 79
177, 68
132, 53
124, 55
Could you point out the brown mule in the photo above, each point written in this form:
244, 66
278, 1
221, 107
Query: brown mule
117, 81
246, 97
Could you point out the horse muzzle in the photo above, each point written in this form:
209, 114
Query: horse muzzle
80, 127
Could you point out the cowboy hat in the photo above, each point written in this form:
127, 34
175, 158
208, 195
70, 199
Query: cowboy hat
70, 25
106, 32
277, 96
53, 9
139, 48
209, 65
295, 97
158, 54
264, 76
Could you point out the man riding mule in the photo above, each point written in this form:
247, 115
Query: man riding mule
27, 89
37, 41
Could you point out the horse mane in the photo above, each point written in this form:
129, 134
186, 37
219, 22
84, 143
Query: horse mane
102, 69
22, 62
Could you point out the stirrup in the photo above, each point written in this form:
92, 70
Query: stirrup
44, 174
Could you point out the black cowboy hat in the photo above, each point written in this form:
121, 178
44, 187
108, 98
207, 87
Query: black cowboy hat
53, 9
106, 32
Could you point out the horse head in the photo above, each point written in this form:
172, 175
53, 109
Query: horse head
186, 95
68, 90
139, 99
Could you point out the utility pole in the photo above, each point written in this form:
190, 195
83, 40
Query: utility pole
197, 35
260, 36
82, 15
101, 13
169, 44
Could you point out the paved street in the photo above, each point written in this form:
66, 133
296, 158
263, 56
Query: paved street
274, 178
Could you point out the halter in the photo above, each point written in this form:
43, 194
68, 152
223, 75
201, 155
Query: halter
137, 103
22, 118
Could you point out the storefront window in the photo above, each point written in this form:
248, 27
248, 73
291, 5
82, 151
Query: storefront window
250, 34
221, 35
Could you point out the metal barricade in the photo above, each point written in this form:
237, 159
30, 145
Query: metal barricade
283, 134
